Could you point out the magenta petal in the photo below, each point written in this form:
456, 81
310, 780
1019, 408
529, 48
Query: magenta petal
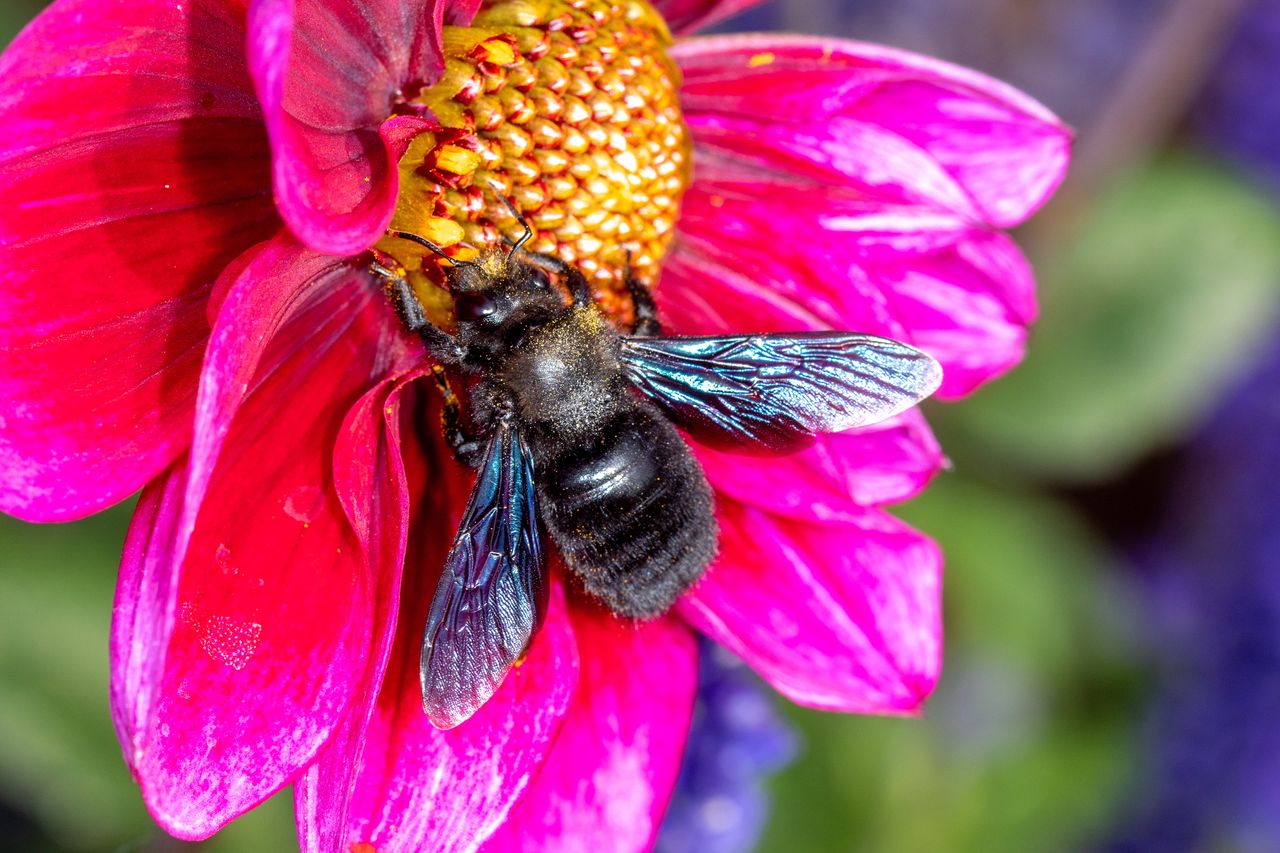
369, 475
887, 463
881, 121
329, 74
145, 603
129, 178
962, 292
232, 672
373, 486
607, 781
420, 788
968, 307
843, 615
685, 16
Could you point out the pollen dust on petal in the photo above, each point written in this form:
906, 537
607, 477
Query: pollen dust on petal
222, 559
227, 640
304, 504
363, 847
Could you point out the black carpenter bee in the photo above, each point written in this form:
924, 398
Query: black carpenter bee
575, 427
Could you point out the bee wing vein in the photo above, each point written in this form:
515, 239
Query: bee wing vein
774, 392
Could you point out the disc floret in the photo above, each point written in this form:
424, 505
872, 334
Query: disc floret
569, 109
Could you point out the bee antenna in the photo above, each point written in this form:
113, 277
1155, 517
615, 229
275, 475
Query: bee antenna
528, 232
423, 241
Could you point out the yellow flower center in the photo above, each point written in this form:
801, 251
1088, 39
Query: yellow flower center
569, 109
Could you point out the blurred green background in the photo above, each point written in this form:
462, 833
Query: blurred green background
1160, 273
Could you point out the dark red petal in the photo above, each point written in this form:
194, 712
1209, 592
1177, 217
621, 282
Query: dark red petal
374, 489
254, 297
329, 74
843, 615
389, 778
133, 167
609, 777
685, 16
420, 788
235, 670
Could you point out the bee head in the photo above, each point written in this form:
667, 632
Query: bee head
500, 293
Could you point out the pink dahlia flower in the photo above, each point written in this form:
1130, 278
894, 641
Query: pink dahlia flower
189, 190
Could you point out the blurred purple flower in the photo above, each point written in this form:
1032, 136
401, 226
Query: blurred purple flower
1240, 108
1213, 776
736, 740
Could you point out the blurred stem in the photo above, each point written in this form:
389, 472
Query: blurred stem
1154, 94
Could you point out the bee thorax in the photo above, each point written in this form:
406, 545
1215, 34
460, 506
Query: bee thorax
565, 376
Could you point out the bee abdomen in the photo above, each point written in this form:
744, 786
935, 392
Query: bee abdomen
632, 513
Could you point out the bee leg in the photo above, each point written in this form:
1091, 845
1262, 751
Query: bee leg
578, 287
646, 323
466, 449
573, 277
440, 345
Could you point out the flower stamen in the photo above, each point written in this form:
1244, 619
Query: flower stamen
569, 109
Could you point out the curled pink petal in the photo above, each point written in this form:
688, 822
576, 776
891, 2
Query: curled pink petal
214, 709
961, 292
373, 486
685, 16
881, 121
125, 126
330, 74
968, 307
255, 296
607, 781
886, 463
145, 603
844, 615
420, 788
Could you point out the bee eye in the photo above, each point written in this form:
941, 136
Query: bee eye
538, 278
470, 307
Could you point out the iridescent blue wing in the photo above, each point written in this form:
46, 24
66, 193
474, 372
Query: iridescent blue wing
776, 392
492, 594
